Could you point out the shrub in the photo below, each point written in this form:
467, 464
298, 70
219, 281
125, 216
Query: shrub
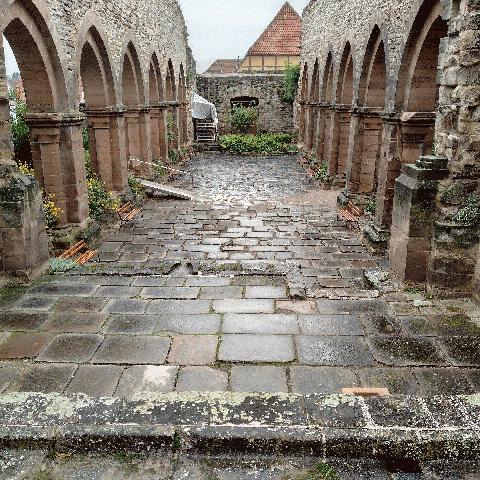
50, 210
291, 76
26, 169
322, 171
60, 265
265, 144
173, 155
243, 119
20, 133
135, 186
100, 200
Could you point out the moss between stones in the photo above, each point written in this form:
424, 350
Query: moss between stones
321, 471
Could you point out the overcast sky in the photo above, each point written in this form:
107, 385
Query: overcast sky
219, 28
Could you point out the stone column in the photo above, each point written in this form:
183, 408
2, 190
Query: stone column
311, 125
23, 238
139, 153
183, 123
320, 124
339, 131
302, 123
57, 151
162, 131
412, 218
155, 132
107, 147
354, 158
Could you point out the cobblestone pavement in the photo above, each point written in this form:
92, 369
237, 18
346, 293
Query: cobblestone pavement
36, 465
255, 286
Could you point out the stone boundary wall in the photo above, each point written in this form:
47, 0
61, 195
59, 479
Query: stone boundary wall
274, 115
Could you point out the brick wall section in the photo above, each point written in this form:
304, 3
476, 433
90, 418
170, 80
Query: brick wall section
274, 115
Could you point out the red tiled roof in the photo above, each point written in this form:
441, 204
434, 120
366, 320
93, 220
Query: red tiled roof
282, 37
223, 65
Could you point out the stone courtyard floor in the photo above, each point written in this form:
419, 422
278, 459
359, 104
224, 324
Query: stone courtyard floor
254, 286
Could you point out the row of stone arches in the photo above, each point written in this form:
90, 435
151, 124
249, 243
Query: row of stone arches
127, 107
366, 117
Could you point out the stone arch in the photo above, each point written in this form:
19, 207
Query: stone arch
303, 99
324, 135
373, 80
26, 27
137, 135
417, 88
105, 123
133, 93
172, 115
372, 93
158, 133
313, 98
343, 112
344, 90
182, 98
170, 84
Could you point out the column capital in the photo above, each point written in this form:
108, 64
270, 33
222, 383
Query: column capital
51, 120
105, 112
367, 111
169, 104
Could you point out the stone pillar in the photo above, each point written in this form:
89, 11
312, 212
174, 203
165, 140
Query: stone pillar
329, 134
302, 123
183, 123
320, 125
107, 147
57, 152
138, 146
354, 158
413, 215
163, 134
311, 126
155, 132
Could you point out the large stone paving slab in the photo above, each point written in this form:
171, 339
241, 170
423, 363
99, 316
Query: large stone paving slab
256, 348
333, 351
121, 349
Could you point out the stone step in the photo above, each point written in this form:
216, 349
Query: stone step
399, 427
167, 190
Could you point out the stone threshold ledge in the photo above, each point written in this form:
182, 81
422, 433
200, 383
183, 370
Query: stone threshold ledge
385, 427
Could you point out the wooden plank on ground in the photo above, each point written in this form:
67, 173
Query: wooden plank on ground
167, 190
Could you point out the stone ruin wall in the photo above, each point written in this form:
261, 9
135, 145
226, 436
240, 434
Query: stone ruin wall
274, 115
